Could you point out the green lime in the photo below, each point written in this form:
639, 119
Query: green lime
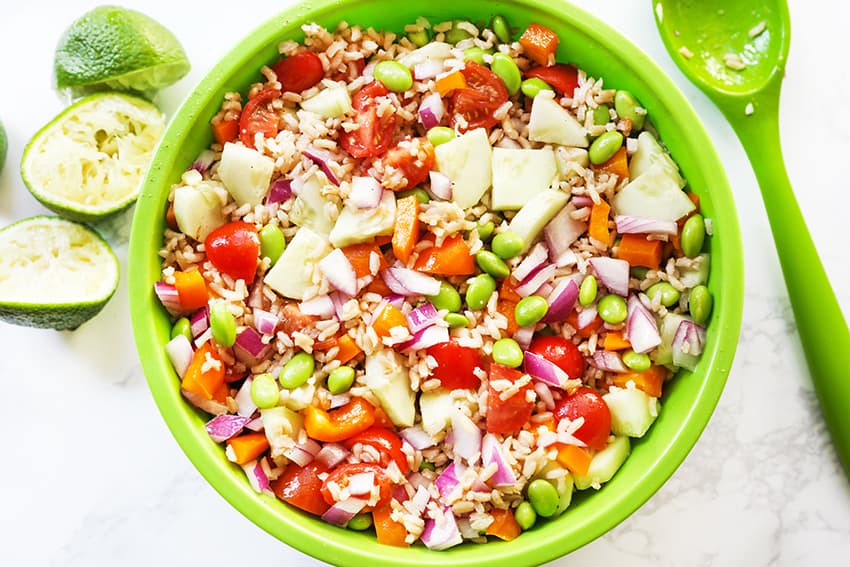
2, 146
54, 273
113, 48
89, 161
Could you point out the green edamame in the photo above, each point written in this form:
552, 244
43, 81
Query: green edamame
485, 230
504, 67
604, 147
601, 115
447, 298
501, 28
529, 310
525, 515
612, 309
543, 497
479, 291
297, 370
700, 303
272, 242
340, 379
636, 361
456, 320
638, 272
419, 38
440, 135
692, 236
457, 34
395, 76
532, 87
507, 244
182, 326
420, 194
222, 325
669, 294
360, 522
627, 106
475, 54
587, 291
426, 466
492, 264
264, 391
507, 352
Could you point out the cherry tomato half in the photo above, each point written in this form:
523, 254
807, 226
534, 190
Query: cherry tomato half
507, 416
302, 487
414, 158
476, 103
234, 249
456, 365
587, 403
299, 72
384, 441
342, 477
257, 117
560, 76
374, 134
561, 352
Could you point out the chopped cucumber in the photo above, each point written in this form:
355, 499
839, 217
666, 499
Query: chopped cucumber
298, 398
653, 195
197, 209
291, 276
519, 175
563, 484
632, 411
433, 51
332, 102
533, 217
281, 426
568, 158
466, 160
387, 378
669, 324
649, 152
362, 225
246, 173
553, 124
605, 464
309, 208
436, 408
692, 277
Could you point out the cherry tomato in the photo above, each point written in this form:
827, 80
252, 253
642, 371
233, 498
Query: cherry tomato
375, 133
234, 249
456, 365
257, 117
414, 157
385, 441
342, 476
507, 416
292, 319
299, 72
587, 403
484, 93
560, 351
302, 487
560, 76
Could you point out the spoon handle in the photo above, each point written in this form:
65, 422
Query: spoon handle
820, 323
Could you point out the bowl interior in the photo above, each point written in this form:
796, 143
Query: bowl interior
688, 401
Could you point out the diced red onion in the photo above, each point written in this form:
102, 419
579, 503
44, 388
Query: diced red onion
535, 281
523, 336
411, 282
417, 437
586, 316
323, 159
466, 529
255, 424
467, 437
303, 453
441, 185
568, 258
320, 306
339, 272
544, 370
561, 300
366, 192
332, 454
168, 296
203, 162
636, 225
200, 321
608, 361
265, 322
449, 479
245, 405
613, 273
395, 300
339, 400
688, 344
338, 303
641, 328
431, 110
562, 231
279, 191
491, 452
423, 316
210, 406
545, 395
531, 263
256, 476
421, 498
441, 536
180, 353
581, 201
416, 479
249, 347
361, 483
223, 427
341, 513
256, 298
428, 69
427, 337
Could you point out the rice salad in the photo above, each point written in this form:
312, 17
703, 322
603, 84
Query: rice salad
431, 283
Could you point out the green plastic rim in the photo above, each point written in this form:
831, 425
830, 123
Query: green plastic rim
690, 399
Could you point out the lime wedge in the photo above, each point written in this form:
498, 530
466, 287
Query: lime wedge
2, 146
113, 48
89, 161
54, 273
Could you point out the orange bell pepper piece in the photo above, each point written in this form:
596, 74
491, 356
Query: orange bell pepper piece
618, 164
191, 288
388, 531
388, 318
574, 458
508, 290
650, 380
614, 340
348, 349
450, 82
356, 416
224, 130
504, 525
248, 447
539, 43
597, 228
360, 257
508, 309
406, 230
451, 259
205, 383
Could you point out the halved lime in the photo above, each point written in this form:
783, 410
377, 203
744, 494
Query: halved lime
90, 160
54, 273
113, 48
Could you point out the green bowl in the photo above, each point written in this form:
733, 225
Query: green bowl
688, 401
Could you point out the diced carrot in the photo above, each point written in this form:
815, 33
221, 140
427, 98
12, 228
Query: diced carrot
451, 259
598, 226
574, 458
248, 447
388, 318
650, 380
614, 340
638, 250
588, 330
360, 257
348, 349
508, 309
204, 382
225, 130
389, 531
191, 288
406, 231
450, 82
508, 290
504, 525
539, 43
618, 164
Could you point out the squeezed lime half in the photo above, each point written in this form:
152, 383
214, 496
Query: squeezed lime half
54, 273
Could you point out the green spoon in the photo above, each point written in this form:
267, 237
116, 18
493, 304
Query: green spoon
735, 51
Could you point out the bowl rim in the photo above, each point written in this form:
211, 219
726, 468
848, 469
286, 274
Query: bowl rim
324, 541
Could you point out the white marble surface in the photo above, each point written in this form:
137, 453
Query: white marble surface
90, 475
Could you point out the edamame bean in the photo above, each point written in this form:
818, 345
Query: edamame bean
507, 352
601, 115
272, 242
692, 236
504, 67
297, 370
492, 264
543, 497
340, 379
440, 135
669, 294
501, 28
420, 194
395, 76
360, 522
507, 244
604, 147
456, 320
475, 54
700, 303
419, 38
532, 87
182, 326
456, 34
485, 230
636, 361
530, 310
525, 515
627, 106
447, 298
638, 272
479, 291
587, 291
612, 309
426, 466
264, 391
222, 325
